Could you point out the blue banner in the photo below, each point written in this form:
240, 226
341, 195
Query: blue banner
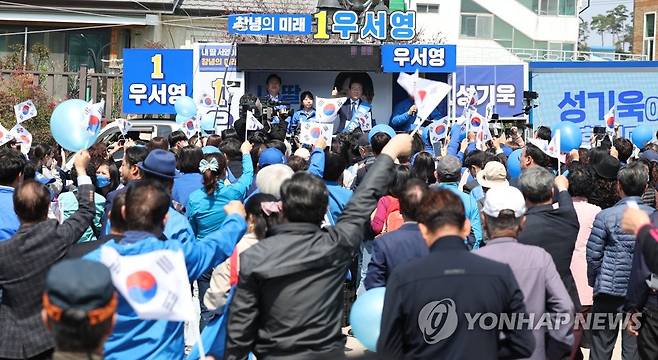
585, 97
270, 24
217, 58
424, 58
501, 84
154, 78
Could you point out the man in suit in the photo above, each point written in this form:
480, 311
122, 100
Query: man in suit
26, 257
428, 299
402, 245
351, 106
554, 229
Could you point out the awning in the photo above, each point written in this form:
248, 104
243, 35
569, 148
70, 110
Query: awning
25, 17
308, 57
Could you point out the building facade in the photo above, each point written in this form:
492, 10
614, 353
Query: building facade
501, 31
644, 28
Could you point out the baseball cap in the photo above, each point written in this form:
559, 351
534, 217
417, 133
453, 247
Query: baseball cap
80, 285
449, 165
209, 149
303, 153
381, 128
271, 156
504, 198
493, 175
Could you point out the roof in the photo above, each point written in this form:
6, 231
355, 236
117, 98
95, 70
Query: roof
252, 6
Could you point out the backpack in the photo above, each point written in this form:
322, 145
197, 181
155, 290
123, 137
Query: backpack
393, 221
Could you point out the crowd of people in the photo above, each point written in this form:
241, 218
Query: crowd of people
282, 238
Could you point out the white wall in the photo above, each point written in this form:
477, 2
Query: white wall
446, 22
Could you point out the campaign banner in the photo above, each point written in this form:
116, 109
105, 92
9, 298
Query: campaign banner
154, 78
585, 98
216, 57
270, 24
217, 85
422, 58
502, 85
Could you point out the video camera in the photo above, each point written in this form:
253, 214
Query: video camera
274, 108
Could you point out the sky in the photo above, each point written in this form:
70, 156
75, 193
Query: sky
600, 7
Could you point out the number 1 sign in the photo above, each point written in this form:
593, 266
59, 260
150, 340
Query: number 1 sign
154, 78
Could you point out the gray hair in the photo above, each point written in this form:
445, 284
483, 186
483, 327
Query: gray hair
270, 178
536, 184
505, 221
633, 179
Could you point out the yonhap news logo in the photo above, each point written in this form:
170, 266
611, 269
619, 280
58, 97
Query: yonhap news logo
438, 320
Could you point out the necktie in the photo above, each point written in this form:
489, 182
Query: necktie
353, 108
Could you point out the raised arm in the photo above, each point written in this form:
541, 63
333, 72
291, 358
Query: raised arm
350, 226
218, 245
316, 163
72, 228
247, 177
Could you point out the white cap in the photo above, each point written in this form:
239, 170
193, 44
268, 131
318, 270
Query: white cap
504, 198
303, 153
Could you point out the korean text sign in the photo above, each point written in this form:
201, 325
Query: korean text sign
214, 57
424, 58
154, 78
501, 84
270, 24
585, 97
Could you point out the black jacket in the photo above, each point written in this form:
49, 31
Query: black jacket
25, 259
289, 299
436, 292
555, 230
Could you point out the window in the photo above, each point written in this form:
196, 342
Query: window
649, 42
556, 7
477, 26
427, 8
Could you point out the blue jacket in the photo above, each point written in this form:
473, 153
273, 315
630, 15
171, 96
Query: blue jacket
185, 185
206, 213
9, 222
610, 250
177, 227
299, 116
338, 198
393, 249
472, 212
134, 338
402, 121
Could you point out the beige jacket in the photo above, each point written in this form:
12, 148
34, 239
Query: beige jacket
215, 297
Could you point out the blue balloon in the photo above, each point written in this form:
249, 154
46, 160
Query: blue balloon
185, 106
514, 164
208, 122
366, 316
570, 136
641, 135
182, 118
71, 126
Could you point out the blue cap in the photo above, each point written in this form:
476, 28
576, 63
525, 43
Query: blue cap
209, 149
43, 179
271, 156
381, 128
160, 163
79, 284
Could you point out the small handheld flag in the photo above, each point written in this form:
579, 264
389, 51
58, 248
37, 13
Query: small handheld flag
5, 136
151, 283
22, 136
327, 109
25, 111
610, 120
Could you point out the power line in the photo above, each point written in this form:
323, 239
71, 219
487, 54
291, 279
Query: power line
140, 4
58, 9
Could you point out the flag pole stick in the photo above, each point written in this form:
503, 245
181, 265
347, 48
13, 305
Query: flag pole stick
199, 342
417, 127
